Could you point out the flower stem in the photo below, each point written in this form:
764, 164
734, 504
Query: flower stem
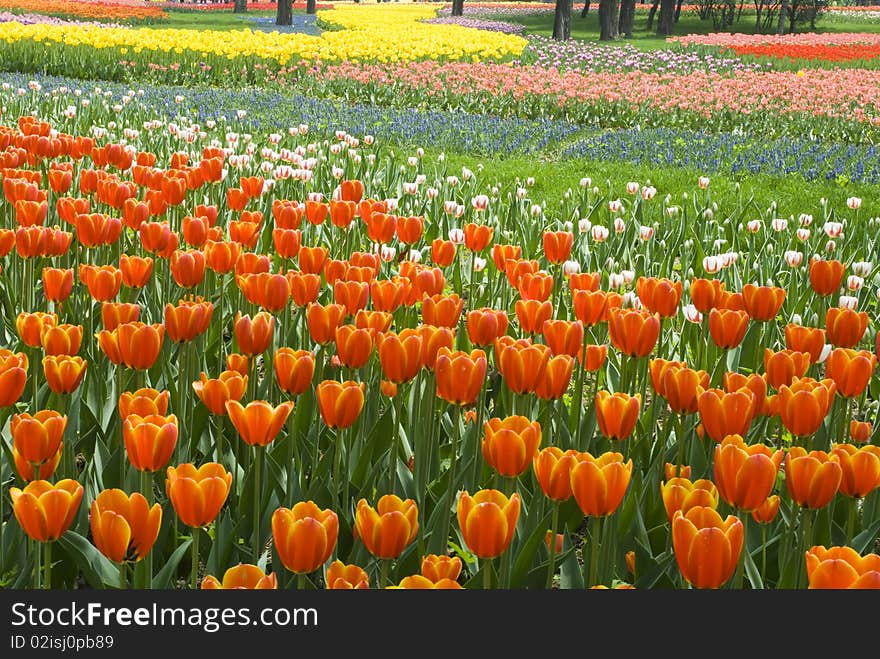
47, 566
258, 462
147, 490
596, 539
450, 488
487, 574
194, 572
551, 569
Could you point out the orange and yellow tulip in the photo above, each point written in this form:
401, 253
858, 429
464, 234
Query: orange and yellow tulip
850, 370
188, 320
304, 536
400, 355
617, 413
783, 366
340, 403
442, 310
388, 528
826, 277
510, 444
460, 375
745, 475
323, 320
522, 364
767, 511
197, 494
143, 402
762, 303
477, 236
136, 345
62, 339
64, 373
552, 469
216, 392
114, 314
253, 335
633, 332
46, 511
842, 568
38, 438
805, 339
659, 295
599, 483
860, 469
487, 521
564, 337
436, 568
13, 376
103, 282
258, 422
136, 270
707, 548
354, 346
532, 314
340, 576
124, 527
149, 440
557, 246
680, 494
294, 370
813, 478
57, 284
725, 413
556, 379
681, 388
484, 325
30, 326
243, 576
419, 582
804, 405
860, 431
706, 294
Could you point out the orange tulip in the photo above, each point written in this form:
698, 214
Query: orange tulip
460, 376
103, 282
860, 469
767, 511
842, 567
136, 271
535, 286
124, 528
850, 370
436, 568
312, 259
599, 484
271, 292
487, 521
552, 469
30, 327
215, 392
515, 269
113, 314
706, 294
557, 377
424, 281
725, 413
345, 577
409, 229
753, 383
388, 294
727, 327
354, 346
564, 337
353, 295
860, 431
197, 494
323, 321
522, 366
57, 284
763, 303
706, 547
633, 332
826, 276
304, 536
509, 445
46, 511
149, 440
340, 403
442, 252
254, 335
442, 310
294, 370
388, 528
13, 376
804, 405
434, 338
376, 321
143, 402
617, 414
845, 327
812, 479
400, 355
62, 339
680, 494
532, 314
37, 438
243, 576
502, 253
136, 345
221, 256
258, 422
783, 366
681, 388
64, 373
304, 288
477, 236
557, 245
380, 227
745, 474
419, 582
28, 472
671, 471
484, 325
660, 296
188, 267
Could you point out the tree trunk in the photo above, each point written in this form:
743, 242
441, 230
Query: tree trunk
562, 20
652, 13
284, 13
627, 17
458, 7
758, 17
608, 12
586, 9
667, 17
678, 10
783, 11
240, 7
311, 6
792, 15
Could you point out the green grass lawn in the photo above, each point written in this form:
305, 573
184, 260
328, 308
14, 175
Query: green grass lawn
181, 19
